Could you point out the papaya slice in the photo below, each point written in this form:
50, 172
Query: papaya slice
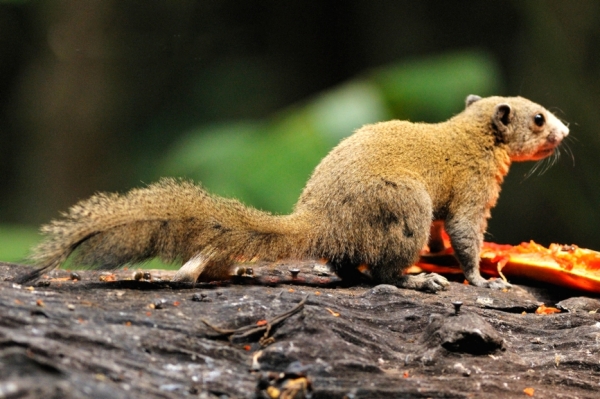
564, 265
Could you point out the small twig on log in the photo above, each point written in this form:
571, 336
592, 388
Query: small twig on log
221, 331
249, 330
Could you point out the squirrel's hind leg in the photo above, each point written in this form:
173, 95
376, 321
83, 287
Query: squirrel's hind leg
410, 211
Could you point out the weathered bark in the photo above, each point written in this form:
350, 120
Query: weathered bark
129, 339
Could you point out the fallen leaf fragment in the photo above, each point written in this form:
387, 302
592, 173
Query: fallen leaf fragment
108, 277
546, 310
59, 279
273, 392
529, 391
334, 314
296, 388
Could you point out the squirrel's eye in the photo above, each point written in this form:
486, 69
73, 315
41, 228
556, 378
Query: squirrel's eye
539, 120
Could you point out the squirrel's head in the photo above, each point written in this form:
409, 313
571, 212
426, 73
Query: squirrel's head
528, 131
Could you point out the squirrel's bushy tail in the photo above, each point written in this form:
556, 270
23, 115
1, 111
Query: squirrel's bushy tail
173, 220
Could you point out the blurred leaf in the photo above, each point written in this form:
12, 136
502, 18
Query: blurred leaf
432, 89
267, 164
17, 242
339, 112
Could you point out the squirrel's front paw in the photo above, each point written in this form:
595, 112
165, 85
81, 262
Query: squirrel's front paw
495, 284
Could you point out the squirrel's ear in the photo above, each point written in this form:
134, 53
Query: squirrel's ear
502, 116
471, 98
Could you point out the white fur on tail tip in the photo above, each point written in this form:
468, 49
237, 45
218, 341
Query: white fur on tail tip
189, 272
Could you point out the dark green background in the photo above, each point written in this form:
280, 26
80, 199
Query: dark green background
247, 96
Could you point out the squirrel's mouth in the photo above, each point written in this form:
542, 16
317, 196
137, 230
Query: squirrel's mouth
541, 153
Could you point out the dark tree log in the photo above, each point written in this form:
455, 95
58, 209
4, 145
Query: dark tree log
136, 338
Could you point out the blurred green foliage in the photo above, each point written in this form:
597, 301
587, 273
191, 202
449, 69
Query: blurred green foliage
266, 163
16, 242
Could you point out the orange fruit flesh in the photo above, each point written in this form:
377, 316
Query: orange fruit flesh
565, 265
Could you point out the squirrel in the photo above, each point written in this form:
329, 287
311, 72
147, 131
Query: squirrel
377, 199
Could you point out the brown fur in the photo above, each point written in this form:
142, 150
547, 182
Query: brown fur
371, 201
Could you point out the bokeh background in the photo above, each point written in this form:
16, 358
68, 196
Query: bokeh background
247, 96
